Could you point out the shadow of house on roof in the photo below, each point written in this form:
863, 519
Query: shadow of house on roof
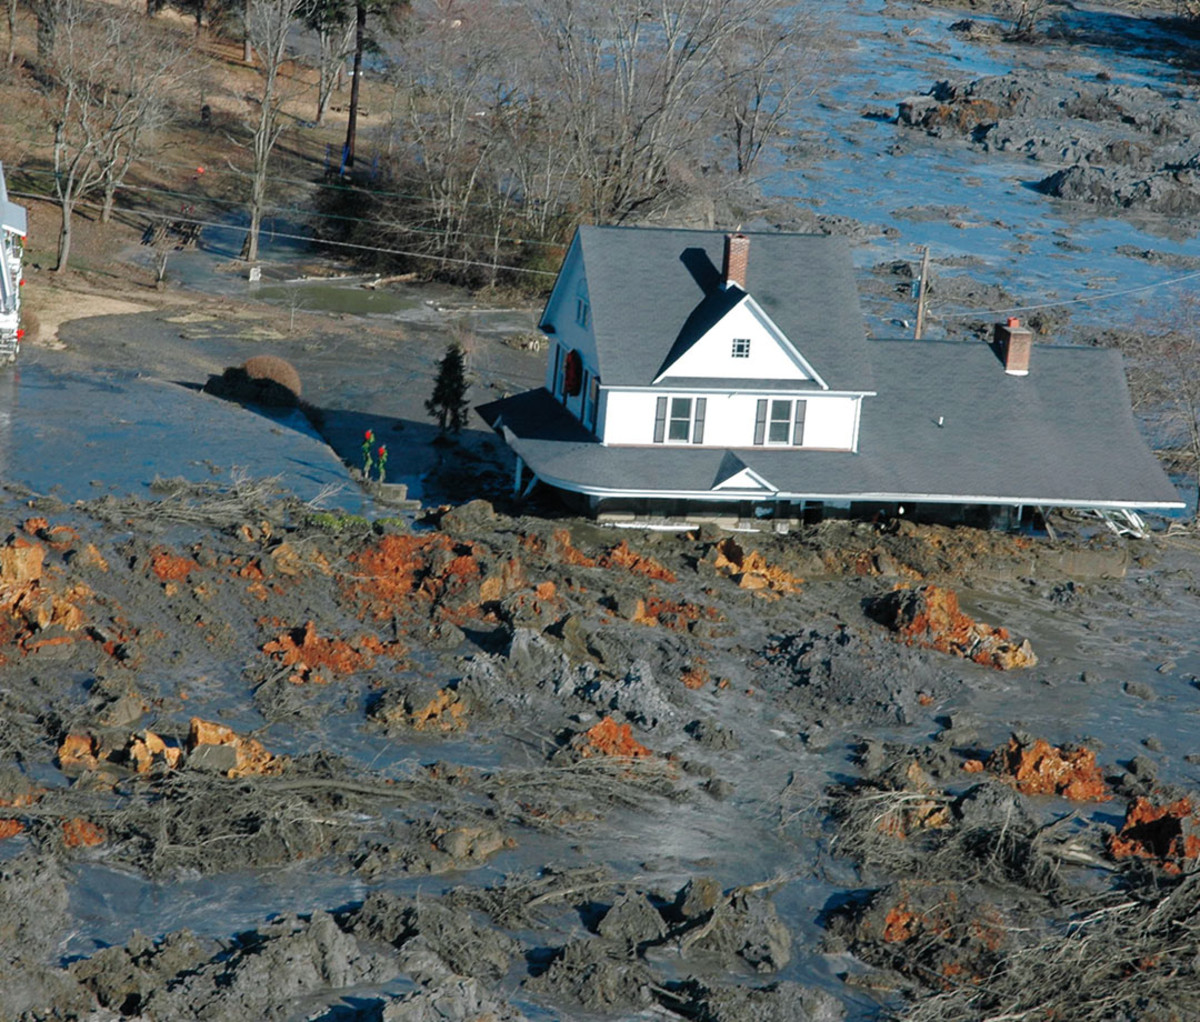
677, 389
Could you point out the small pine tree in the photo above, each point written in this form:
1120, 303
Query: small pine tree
448, 402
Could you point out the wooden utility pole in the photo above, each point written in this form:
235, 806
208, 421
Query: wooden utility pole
921, 292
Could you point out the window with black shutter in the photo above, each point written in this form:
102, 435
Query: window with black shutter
798, 423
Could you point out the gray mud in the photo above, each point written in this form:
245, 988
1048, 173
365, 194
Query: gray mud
528, 767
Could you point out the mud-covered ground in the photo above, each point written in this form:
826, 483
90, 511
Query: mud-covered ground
266, 762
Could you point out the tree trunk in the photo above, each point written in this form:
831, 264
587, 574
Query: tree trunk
247, 49
258, 191
64, 238
360, 39
250, 245
45, 33
12, 30
106, 208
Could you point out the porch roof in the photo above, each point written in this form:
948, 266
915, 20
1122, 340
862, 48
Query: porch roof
951, 426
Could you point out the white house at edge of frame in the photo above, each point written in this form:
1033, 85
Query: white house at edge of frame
12, 248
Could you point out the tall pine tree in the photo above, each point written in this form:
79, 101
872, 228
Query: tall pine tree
448, 402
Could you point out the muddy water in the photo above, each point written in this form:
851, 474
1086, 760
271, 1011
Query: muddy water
114, 431
965, 204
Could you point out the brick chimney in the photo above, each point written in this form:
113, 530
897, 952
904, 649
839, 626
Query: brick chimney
1014, 345
737, 257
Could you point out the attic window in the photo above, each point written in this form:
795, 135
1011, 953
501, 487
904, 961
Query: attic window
741, 347
583, 312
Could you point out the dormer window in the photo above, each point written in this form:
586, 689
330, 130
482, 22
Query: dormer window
741, 347
583, 312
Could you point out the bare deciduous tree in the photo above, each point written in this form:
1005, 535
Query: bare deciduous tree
330, 22
767, 68
113, 76
11, 10
449, 75
514, 120
637, 84
270, 23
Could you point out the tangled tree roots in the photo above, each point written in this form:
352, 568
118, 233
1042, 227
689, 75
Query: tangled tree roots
263, 379
1133, 957
271, 369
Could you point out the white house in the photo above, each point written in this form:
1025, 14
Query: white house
692, 372
12, 248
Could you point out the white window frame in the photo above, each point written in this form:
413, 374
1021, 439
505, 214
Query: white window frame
591, 403
740, 348
773, 421
684, 418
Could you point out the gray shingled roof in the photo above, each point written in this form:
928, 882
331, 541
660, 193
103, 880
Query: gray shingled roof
646, 287
1064, 435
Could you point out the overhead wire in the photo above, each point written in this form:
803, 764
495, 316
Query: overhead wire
310, 214
1083, 299
243, 228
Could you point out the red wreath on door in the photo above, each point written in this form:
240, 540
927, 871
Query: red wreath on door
573, 374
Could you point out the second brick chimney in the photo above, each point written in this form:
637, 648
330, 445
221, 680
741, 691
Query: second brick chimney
737, 258
1014, 345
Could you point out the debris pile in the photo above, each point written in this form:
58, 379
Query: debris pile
1039, 768
930, 616
315, 659
1167, 835
751, 570
608, 738
217, 747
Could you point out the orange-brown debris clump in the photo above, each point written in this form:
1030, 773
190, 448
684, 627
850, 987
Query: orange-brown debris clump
751, 570
313, 656
57, 537
1168, 835
252, 758
900, 924
621, 556
930, 616
444, 712
1045, 769
695, 677
31, 605
81, 833
567, 553
430, 569
10, 828
171, 567
143, 751
654, 610
79, 752
608, 738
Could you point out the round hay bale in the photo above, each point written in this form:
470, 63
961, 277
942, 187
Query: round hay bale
271, 369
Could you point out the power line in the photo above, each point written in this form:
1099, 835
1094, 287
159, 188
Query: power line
340, 244
408, 196
1070, 301
216, 201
